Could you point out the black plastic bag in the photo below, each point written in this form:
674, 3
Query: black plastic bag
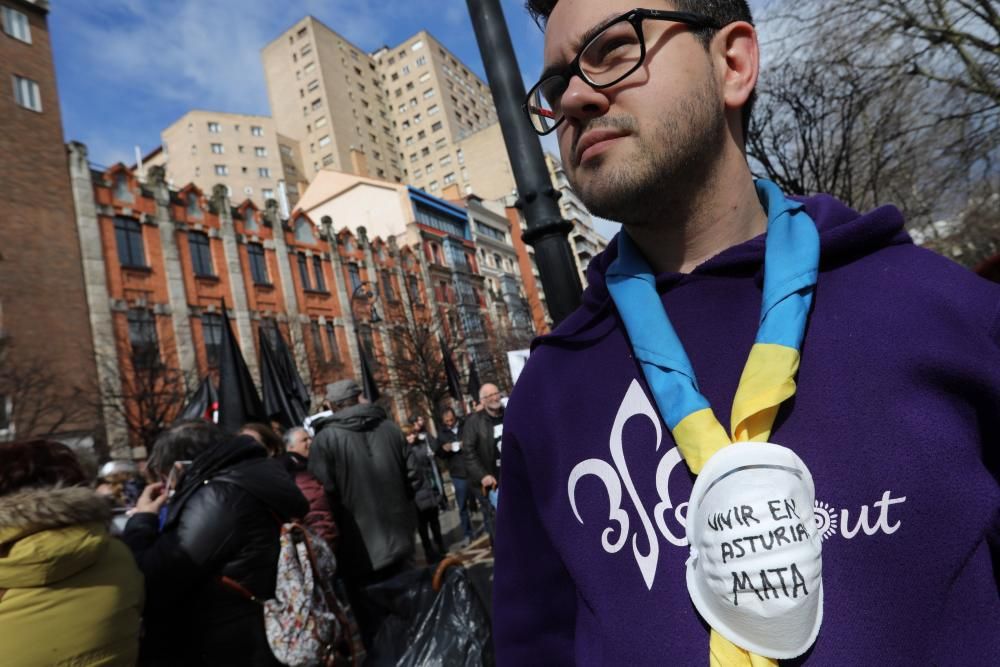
422, 628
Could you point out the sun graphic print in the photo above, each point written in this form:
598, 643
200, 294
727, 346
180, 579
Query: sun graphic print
826, 519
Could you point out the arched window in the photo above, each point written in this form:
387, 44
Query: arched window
122, 192
304, 231
193, 209
250, 220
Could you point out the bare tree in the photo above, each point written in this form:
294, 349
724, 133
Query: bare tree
148, 398
878, 101
417, 361
40, 401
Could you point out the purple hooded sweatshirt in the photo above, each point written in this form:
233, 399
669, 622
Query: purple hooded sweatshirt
897, 415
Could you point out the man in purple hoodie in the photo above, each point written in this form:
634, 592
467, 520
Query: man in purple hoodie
891, 400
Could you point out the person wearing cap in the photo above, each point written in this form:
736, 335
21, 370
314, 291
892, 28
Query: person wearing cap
769, 433
359, 455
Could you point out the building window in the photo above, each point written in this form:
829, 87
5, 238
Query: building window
317, 103
16, 25
260, 151
258, 266
122, 192
320, 122
267, 193
415, 290
26, 93
316, 340
445, 161
306, 50
142, 336
327, 159
313, 85
324, 140
449, 178
331, 342
431, 111
211, 331
249, 221
426, 76
429, 93
437, 126
217, 149
318, 273
221, 170
264, 172
304, 231
304, 270
128, 235
387, 291
214, 127
201, 254
352, 271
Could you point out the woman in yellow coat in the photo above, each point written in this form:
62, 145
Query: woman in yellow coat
70, 594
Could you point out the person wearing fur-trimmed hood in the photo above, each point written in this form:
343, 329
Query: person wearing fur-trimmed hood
69, 592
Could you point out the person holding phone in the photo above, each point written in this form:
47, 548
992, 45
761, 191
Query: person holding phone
222, 522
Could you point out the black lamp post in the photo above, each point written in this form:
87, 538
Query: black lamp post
547, 231
369, 389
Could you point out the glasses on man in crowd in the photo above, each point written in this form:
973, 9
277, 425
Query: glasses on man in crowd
611, 52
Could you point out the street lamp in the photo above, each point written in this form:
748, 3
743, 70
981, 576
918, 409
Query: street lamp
547, 231
373, 317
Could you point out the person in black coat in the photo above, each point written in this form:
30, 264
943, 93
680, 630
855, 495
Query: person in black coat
448, 448
428, 493
219, 531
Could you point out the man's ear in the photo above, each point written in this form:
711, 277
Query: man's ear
738, 57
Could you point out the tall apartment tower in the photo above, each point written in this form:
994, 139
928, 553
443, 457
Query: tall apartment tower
405, 113
328, 95
47, 362
242, 152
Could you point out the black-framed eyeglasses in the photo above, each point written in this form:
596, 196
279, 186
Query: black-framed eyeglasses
616, 49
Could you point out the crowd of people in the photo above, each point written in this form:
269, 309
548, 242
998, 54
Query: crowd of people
170, 561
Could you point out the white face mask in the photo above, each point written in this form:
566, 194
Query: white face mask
755, 570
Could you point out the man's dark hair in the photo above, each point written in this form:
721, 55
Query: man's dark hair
448, 410
723, 11
182, 442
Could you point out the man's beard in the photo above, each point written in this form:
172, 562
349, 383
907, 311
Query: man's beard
667, 165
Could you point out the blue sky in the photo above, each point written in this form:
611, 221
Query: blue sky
128, 68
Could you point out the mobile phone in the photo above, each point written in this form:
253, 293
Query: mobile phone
176, 473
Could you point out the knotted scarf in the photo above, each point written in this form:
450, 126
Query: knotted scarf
791, 265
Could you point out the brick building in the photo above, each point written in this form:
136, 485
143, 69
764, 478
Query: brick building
165, 264
46, 354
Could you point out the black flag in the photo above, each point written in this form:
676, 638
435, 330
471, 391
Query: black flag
368, 387
238, 399
204, 404
474, 383
280, 400
289, 373
451, 373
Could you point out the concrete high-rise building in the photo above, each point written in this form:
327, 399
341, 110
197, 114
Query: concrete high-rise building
328, 95
412, 113
584, 240
47, 362
243, 152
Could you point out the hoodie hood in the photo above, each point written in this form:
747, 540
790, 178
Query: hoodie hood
50, 534
844, 233
364, 417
